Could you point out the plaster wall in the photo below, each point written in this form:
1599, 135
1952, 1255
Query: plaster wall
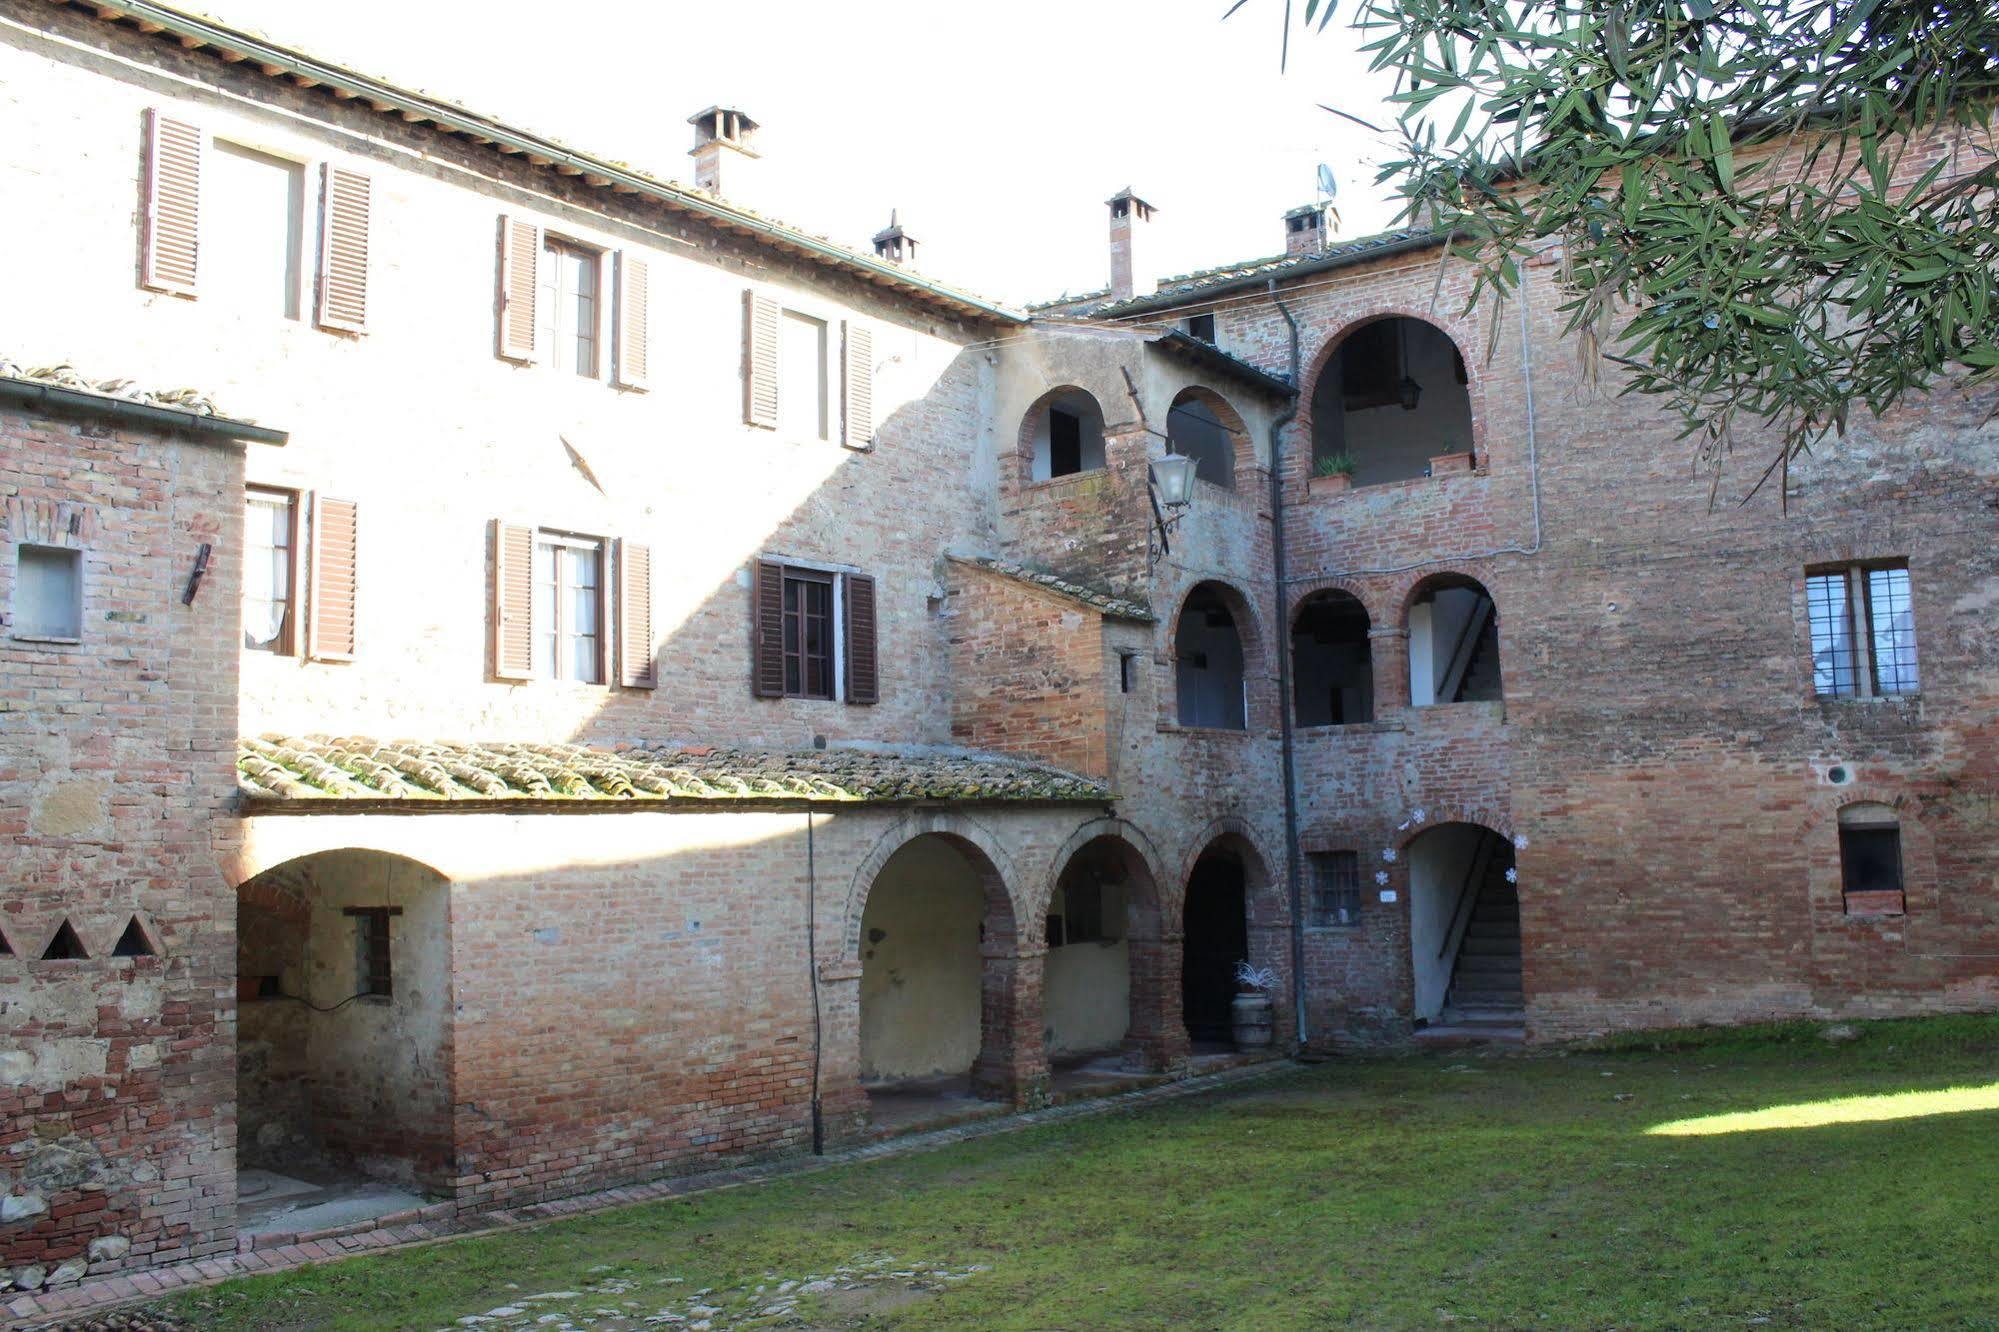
1438, 861
920, 968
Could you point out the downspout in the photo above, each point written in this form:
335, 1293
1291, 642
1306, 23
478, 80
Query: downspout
1294, 878
812, 965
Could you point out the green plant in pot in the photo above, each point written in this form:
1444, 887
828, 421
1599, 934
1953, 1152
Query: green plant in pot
1333, 464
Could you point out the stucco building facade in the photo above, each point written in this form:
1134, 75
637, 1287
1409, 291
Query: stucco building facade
690, 683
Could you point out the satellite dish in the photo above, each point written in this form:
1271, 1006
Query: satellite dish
1327, 185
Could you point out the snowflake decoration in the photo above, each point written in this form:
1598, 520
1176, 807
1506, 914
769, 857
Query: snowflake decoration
1381, 877
1512, 874
1388, 854
1520, 842
1417, 815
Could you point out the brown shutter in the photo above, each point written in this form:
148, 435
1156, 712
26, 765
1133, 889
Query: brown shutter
170, 244
331, 633
636, 669
761, 315
346, 198
863, 671
513, 601
629, 364
858, 379
767, 631
520, 258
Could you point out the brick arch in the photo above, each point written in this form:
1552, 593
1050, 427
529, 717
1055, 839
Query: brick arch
1462, 336
1234, 833
1817, 838
1489, 817
1140, 845
1366, 593
1155, 1038
1243, 442
1445, 575
1258, 666
972, 840
1023, 442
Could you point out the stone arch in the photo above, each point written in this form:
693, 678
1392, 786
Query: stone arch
345, 1027
1319, 426
1210, 419
1201, 679
1037, 448
1452, 622
1152, 1036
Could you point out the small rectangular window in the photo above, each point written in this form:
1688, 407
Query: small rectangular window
1201, 326
270, 570
1870, 868
569, 306
1127, 671
373, 973
48, 593
1863, 631
252, 231
803, 411
1336, 889
808, 633
568, 612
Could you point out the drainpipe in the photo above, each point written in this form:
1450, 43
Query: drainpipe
812, 968
1292, 872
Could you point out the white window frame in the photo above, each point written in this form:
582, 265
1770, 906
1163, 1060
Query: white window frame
311, 215
551, 669
600, 339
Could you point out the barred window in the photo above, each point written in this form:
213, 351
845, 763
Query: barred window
1336, 888
1863, 630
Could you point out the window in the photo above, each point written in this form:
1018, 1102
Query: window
1332, 662
808, 634
48, 593
1064, 435
1335, 888
372, 972
813, 634
1084, 909
1453, 643
1208, 662
1202, 326
1195, 428
568, 608
1863, 631
802, 377
1127, 671
270, 571
252, 230
569, 306
1391, 399
1870, 860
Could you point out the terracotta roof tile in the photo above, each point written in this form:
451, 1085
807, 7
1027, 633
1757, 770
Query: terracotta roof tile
1097, 599
321, 769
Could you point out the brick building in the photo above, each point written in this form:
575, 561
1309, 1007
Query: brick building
695, 683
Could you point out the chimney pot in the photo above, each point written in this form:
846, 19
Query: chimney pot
894, 244
1306, 230
721, 133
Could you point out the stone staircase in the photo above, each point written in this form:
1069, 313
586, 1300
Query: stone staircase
1485, 1001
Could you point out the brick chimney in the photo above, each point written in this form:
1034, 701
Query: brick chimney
1131, 267
1305, 230
894, 244
722, 133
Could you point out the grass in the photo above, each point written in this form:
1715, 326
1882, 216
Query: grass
1508, 1192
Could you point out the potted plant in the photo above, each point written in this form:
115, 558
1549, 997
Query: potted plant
1454, 458
1331, 472
1252, 1005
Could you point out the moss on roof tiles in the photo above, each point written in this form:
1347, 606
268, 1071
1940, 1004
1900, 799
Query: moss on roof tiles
315, 769
1098, 599
63, 375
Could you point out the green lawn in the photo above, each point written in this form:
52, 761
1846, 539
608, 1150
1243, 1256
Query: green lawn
1503, 1191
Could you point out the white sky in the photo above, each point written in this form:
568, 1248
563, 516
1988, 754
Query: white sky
997, 130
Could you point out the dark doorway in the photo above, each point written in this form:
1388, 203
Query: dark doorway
1217, 937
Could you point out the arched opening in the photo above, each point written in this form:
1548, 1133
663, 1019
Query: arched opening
1215, 937
936, 937
1103, 1000
344, 1040
1393, 395
1453, 643
1464, 930
1332, 661
1197, 427
1208, 661
1063, 435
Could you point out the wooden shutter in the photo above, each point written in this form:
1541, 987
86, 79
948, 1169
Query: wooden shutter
636, 669
858, 388
520, 277
863, 671
629, 360
767, 631
761, 316
170, 244
331, 629
513, 601
346, 198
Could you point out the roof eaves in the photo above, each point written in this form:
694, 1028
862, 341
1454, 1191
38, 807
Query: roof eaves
29, 391
1100, 600
1206, 353
348, 85
1197, 288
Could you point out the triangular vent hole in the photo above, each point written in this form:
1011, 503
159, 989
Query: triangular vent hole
6, 946
133, 942
65, 947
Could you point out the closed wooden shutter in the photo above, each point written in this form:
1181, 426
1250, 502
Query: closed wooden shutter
520, 261
170, 244
513, 600
346, 198
636, 669
761, 316
767, 631
629, 363
863, 669
332, 627
858, 381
